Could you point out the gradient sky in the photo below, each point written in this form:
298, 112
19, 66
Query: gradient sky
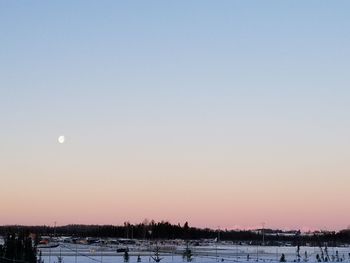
220, 113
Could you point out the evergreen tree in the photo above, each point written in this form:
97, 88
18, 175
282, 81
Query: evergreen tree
1, 251
187, 255
19, 248
126, 256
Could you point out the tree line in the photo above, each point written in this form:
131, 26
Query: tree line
164, 230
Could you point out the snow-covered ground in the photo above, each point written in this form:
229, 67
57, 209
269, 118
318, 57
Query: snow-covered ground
72, 253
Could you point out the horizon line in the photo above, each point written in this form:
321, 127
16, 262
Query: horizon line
252, 228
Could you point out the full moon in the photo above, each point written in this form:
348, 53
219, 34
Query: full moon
61, 139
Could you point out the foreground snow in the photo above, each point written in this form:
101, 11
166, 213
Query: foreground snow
173, 254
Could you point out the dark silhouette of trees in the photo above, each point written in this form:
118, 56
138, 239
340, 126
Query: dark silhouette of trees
164, 230
18, 248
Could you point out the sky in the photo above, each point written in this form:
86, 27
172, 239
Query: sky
224, 114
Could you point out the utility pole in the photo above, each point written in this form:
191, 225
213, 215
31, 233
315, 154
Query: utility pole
216, 244
263, 234
76, 252
218, 233
54, 231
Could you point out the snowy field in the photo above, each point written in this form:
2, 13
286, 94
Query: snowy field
221, 253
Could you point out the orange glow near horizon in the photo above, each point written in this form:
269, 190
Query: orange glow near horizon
205, 193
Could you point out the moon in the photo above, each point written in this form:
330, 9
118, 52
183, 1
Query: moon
61, 139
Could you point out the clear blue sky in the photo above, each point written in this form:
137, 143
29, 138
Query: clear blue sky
178, 84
